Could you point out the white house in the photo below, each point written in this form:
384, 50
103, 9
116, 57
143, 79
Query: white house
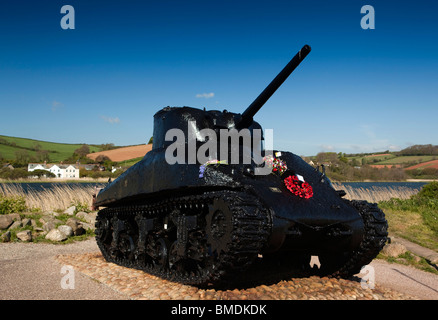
36, 166
71, 171
62, 171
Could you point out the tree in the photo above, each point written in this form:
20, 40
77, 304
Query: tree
105, 162
6, 173
42, 155
37, 146
101, 159
42, 173
344, 159
326, 157
107, 146
82, 151
419, 150
22, 157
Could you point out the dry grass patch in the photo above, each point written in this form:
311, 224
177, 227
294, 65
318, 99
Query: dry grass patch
410, 225
59, 197
376, 194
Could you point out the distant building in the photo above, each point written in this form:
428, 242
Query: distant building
8, 165
114, 169
62, 171
88, 167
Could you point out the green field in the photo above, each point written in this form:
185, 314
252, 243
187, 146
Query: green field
407, 159
372, 159
10, 146
392, 159
129, 163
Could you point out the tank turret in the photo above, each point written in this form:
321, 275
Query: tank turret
194, 209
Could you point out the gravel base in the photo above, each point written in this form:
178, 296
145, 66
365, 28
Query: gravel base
137, 284
33, 271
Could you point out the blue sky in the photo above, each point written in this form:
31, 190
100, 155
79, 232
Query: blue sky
357, 91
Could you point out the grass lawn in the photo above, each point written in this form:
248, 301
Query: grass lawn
410, 226
57, 151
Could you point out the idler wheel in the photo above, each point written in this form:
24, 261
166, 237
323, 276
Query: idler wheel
104, 235
104, 231
219, 227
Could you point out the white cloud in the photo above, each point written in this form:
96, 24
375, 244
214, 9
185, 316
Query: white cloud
373, 146
56, 105
326, 147
394, 148
368, 130
110, 120
205, 95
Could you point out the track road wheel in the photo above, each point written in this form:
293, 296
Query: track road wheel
219, 227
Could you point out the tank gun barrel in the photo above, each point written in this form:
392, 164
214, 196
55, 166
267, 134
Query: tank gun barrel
248, 114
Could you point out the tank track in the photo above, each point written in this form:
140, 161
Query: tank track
340, 265
203, 240
375, 238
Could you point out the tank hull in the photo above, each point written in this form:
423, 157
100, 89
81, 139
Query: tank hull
322, 223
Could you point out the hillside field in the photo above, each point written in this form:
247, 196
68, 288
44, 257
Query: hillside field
124, 153
407, 159
429, 164
10, 146
392, 159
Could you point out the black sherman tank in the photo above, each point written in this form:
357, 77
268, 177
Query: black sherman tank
209, 222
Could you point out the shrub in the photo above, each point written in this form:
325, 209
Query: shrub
430, 190
425, 202
12, 204
80, 206
6, 173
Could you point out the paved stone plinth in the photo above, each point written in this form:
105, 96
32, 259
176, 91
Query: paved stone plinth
137, 284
